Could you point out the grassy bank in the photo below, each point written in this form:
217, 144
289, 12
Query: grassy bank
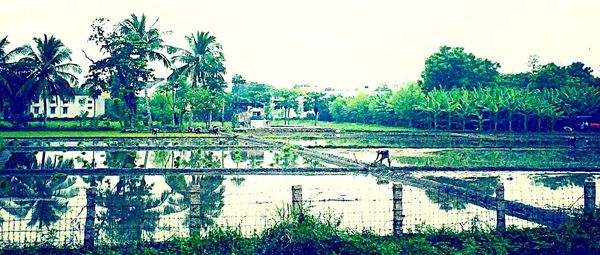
346, 126
318, 236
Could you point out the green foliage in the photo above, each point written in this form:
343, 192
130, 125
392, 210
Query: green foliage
452, 67
307, 234
490, 108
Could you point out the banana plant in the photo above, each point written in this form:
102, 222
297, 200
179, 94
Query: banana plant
528, 104
510, 102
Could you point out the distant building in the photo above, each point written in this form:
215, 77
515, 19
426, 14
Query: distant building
58, 108
253, 117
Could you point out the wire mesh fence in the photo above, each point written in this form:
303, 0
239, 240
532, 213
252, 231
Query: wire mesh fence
127, 213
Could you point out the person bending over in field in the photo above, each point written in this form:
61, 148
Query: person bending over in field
382, 155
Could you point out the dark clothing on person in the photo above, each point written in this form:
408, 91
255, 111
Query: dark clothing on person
382, 155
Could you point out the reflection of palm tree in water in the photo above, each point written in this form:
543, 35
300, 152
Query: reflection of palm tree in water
42, 199
121, 159
447, 202
211, 195
129, 209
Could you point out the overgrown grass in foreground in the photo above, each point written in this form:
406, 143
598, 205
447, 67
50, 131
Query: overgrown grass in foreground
322, 236
346, 126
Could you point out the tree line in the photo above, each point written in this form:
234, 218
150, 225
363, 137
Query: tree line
459, 91
45, 71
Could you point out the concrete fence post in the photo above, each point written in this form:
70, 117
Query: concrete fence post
398, 216
195, 209
500, 208
589, 196
297, 202
89, 235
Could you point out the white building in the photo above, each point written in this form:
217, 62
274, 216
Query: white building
58, 108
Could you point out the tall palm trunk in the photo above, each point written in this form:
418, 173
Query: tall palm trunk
223, 114
510, 120
45, 112
146, 159
174, 114
316, 117
148, 106
94, 118
210, 114
191, 119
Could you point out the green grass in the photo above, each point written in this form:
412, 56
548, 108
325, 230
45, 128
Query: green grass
324, 236
345, 126
41, 134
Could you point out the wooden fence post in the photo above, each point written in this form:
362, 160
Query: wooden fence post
398, 216
500, 208
194, 209
89, 235
297, 202
589, 196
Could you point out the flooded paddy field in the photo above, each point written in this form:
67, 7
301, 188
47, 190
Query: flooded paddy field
55, 190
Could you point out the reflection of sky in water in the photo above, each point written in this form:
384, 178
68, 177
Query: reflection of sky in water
472, 157
168, 158
523, 187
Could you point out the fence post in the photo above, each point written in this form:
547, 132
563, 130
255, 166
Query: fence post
89, 235
589, 196
297, 201
398, 217
500, 208
194, 209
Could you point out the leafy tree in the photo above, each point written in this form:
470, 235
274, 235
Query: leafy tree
52, 75
453, 67
338, 109
125, 65
580, 74
549, 76
315, 101
286, 99
518, 80
404, 101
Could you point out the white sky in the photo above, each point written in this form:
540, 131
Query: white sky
341, 43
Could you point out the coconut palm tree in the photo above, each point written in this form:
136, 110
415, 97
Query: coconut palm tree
202, 63
52, 74
150, 43
194, 60
5, 67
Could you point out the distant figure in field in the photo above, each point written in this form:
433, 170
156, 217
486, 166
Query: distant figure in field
382, 155
215, 130
155, 131
593, 126
572, 141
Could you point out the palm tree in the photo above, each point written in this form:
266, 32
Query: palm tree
202, 63
193, 61
5, 68
12, 76
52, 73
149, 40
